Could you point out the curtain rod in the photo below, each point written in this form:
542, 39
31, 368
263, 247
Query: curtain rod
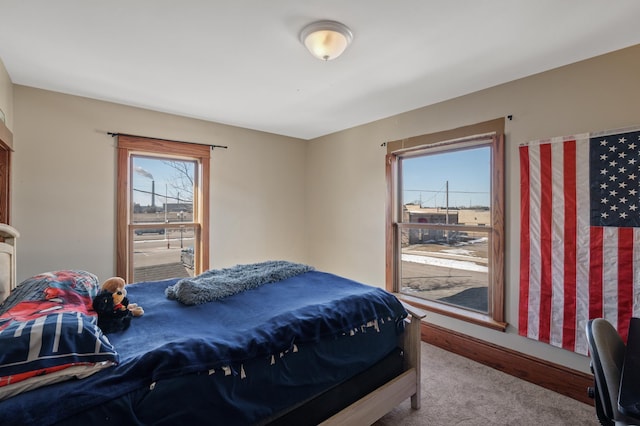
168, 140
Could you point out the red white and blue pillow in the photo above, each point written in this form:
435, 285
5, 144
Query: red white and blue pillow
49, 332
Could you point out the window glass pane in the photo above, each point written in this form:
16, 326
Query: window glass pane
442, 191
451, 187
455, 273
162, 193
161, 253
161, 188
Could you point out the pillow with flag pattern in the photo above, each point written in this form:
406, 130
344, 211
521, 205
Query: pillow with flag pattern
49, 332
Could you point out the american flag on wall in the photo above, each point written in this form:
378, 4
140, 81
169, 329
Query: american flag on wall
580, 235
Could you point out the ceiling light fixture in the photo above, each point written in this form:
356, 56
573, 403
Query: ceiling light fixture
326, 40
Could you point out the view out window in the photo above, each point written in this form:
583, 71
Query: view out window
162, 209
446, 227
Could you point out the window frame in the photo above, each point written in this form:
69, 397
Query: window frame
446, 142
141, 146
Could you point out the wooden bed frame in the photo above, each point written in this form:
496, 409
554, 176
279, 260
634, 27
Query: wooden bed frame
376, 404
8, 236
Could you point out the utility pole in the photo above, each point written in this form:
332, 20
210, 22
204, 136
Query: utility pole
446, 213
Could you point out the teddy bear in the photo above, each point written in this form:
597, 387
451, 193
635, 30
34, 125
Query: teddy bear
113, 307
115, 284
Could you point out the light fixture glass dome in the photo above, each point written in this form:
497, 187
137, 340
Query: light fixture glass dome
326, 40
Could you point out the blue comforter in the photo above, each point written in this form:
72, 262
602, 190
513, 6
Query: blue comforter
173, 339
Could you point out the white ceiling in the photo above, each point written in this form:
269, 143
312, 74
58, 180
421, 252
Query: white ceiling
240, 62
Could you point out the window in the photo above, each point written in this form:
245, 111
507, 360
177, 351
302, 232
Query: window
163, 209
445, 246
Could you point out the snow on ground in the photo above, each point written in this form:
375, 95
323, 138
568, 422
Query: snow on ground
445, 263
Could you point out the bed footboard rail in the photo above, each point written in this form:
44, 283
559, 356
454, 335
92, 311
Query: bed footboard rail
411, 345
376, 404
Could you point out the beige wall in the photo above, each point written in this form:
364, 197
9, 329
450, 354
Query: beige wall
320, 202
64, 184
346, 173
6, 96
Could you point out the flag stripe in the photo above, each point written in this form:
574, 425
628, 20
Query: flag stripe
582, 243
610, 274
534, 249
546, 239
625, 279
636, 272
595, 273
570, 245
557, 215
524, 239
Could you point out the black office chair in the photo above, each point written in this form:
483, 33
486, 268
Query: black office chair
607, 356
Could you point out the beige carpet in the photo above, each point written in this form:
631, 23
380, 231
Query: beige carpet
458, 391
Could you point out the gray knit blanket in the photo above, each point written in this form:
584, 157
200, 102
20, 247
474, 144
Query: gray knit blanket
216, 284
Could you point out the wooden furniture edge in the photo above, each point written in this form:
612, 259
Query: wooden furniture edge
6, 150
6, 136
424, 305
376, 404
8, 236
412, 339
560, 379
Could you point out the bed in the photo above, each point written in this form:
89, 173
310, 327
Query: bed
310, 348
